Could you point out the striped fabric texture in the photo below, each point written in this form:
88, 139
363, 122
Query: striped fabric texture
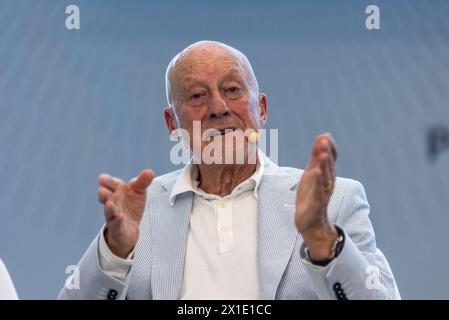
361, 270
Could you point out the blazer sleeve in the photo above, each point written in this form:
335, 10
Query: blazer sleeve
360, 271
89, 282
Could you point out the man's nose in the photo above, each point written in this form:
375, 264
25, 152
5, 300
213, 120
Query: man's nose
218, 107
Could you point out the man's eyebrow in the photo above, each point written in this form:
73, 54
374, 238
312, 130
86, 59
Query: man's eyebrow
190, 83
233, 75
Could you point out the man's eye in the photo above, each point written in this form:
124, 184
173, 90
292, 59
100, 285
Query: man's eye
233, 89
196, 96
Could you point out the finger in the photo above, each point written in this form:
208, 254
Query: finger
328, 148
331, 169
317, 173
333, 145
111, 183
104, 195
141, 183
327, 166
332, 176
111, 212
320, 144
332, 157
324, 166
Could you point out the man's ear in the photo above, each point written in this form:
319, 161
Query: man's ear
170, 119
263, 105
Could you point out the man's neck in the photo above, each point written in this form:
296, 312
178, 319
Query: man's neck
221, 179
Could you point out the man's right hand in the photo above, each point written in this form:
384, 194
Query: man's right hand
124, 204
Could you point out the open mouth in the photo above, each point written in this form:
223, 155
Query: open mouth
219, 132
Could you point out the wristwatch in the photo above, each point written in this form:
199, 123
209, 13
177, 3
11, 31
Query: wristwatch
336, 249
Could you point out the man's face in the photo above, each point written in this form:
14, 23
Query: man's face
215, 88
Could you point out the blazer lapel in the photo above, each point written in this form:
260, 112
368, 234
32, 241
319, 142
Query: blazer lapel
277, 233
170, 228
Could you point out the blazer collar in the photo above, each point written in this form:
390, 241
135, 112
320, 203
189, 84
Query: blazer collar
187, 178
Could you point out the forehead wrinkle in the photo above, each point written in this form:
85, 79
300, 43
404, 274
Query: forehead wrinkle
200, 63
199, 55
234, 72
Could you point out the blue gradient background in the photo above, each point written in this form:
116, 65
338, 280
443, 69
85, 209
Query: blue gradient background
74, 104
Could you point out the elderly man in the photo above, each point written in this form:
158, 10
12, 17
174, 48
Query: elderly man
228, 230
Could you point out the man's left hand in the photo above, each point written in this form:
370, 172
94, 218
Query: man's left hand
312, 198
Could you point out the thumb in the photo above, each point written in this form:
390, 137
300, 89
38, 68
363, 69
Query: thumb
141, 183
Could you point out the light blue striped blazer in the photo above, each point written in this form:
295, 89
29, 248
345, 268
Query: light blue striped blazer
359, 272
